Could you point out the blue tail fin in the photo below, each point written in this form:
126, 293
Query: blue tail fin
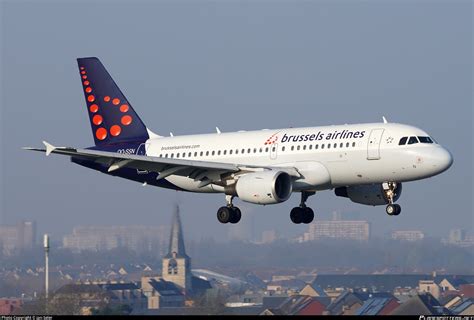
112, 118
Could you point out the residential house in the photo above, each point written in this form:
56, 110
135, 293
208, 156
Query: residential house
424, 304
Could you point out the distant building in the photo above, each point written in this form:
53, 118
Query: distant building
458, 237
313, 290
176, 282
136, 238
429, 286
408, 235
338, 229
465, 307
19, 237
452, 284
10, 306
300, 305
153, 292
177, 264
378, 306
424, 304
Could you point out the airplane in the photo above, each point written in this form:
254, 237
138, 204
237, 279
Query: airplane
366, 163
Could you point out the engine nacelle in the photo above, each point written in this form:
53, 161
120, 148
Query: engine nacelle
370, 194
264, 187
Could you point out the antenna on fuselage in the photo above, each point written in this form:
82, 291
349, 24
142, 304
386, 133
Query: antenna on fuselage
384, 120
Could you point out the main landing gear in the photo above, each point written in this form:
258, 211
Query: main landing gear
389, 189
229, 213
302, 214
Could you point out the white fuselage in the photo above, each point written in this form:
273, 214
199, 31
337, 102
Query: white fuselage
327, 157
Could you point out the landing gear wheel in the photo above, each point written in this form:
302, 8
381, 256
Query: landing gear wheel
236, 215
308, 215
224, 214
393, 209
398, 209
296, 215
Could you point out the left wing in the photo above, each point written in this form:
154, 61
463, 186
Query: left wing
206, 172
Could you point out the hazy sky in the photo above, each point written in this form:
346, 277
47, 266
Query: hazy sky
188, 66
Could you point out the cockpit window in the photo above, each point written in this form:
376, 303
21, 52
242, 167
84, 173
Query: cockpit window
412, 140
403, 141
425, 139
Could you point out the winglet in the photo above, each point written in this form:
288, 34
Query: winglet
49, 148
384, 120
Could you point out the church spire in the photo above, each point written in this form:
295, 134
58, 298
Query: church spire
176, 248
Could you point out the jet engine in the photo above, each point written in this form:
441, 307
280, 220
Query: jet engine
370, 194
264, 187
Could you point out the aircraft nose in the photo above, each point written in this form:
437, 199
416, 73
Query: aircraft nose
443, 159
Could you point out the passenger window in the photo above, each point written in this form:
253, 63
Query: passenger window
403, 141
166, 155
335, 145
266, 149
298, 148
213, 152
254, 150
172, 155
310, 147
329, 146
236, 151
304, 147
273, 148
425, 139
201, 153
322, 146
283, 148
341, 145
195, 154
248, 150
347, 145
219, 153
292, 148
260, 150
189, 154
207, 153
353, 144
160, 155
316, 146
412, 140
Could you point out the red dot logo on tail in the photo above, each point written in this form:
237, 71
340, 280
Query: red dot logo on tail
116, 101
115, 130
106, 98
101, 133
124, 108
97, 119
90, 98
126, 120
94, 108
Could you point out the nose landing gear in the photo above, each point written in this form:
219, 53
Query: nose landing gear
302, 214
389, 190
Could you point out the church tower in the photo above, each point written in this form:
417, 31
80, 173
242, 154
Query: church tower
177, 264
